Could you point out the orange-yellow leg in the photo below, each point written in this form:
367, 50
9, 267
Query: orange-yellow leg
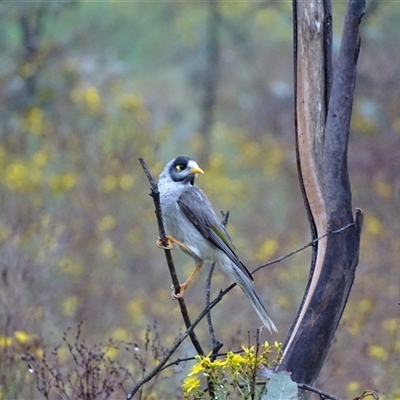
185, 285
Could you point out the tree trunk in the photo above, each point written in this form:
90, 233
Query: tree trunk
323, 109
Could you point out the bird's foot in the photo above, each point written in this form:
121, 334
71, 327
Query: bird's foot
179, 295
169, 245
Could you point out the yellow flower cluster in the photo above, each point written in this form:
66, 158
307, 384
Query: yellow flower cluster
110, 182
21, 175
227, 373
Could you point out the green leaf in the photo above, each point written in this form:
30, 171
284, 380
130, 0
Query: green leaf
281, 387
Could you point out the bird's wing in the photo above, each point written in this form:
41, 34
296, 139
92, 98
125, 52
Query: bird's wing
199, 211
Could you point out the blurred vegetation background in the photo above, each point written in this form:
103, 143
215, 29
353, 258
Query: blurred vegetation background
88, 87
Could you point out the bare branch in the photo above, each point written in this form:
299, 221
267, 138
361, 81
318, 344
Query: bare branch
322, 395
178, 342
312, 243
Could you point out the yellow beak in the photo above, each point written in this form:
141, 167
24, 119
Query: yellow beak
196, 170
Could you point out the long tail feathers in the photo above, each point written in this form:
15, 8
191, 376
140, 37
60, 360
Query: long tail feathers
258, 307
248, 288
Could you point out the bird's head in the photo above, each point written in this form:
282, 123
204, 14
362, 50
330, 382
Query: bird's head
183, 170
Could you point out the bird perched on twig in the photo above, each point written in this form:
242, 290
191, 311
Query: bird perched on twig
191, 223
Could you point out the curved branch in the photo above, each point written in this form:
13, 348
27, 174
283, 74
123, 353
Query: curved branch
322, 140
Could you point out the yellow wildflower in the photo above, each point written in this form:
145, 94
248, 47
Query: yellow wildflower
190, 384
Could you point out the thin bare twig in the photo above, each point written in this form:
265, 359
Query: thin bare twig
178, 342
312, 243
322, 395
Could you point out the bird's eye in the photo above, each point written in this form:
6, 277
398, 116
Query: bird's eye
179, 167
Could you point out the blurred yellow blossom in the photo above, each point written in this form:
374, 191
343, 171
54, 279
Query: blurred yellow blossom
16, 175
121, 334
39, 352
5, 231
71, 267
365, 305
63, 354
384, 189
251, 150
126, 182
92, 98
373, 226
135, 309
63, 182
396, 346
391, 325
267, 249
130, 101
108, 183
22, 336
70, 305
354, 327
107, 223
41, 157
353, 386
110, 352
5, 341
107, 248
378, 352
89, 97
34, 121
273, 161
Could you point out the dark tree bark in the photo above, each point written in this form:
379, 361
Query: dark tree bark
323, 107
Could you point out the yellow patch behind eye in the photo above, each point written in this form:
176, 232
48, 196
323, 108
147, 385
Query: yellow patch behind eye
178, 168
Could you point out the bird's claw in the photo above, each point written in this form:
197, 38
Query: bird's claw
160, 245
179, 295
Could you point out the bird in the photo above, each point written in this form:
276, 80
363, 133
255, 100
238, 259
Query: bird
192, 225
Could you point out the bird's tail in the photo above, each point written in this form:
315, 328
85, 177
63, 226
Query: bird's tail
258, 306
247, 286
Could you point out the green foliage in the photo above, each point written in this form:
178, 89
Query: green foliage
281, 387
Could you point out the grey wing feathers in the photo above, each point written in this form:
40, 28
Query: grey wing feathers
200, 213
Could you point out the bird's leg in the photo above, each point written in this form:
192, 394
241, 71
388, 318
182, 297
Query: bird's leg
185, 285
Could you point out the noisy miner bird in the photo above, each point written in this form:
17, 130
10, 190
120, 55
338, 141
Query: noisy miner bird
191, 223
